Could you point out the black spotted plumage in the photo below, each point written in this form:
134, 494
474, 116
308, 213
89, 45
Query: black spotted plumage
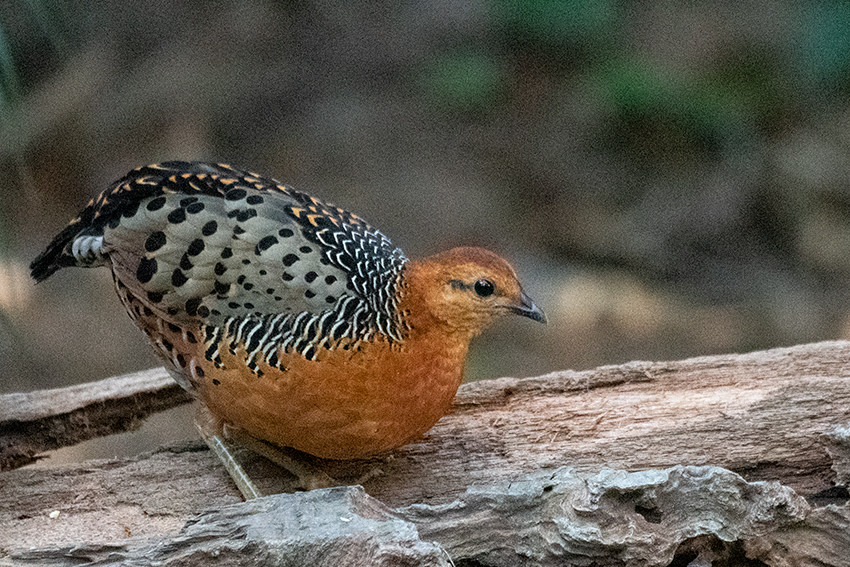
288, 318
256, 259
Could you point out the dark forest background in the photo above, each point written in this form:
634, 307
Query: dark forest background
671, 179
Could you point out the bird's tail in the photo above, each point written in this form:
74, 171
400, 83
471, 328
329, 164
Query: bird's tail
74, 246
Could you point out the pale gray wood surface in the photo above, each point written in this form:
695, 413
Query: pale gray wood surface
768, 415
34, 422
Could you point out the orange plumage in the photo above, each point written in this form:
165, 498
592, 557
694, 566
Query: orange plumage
289, 318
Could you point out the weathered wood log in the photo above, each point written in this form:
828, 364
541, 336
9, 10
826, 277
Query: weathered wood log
768, 416
760, 414
36, 422
613, 518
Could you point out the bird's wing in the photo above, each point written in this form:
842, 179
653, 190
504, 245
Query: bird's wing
205, 243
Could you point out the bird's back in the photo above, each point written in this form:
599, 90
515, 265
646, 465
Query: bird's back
211, 247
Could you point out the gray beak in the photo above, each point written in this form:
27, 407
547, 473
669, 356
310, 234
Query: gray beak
526, 308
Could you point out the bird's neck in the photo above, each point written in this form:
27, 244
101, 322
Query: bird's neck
418, 295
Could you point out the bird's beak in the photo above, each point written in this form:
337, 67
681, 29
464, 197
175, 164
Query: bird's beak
526, 308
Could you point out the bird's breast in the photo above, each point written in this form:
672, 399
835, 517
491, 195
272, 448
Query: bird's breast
352, 403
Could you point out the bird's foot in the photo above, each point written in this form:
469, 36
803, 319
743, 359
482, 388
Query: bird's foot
309, 477
224, 440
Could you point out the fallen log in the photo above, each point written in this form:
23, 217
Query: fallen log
767, 416
35, 422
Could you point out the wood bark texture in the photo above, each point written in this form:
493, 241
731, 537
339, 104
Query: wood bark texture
646, 463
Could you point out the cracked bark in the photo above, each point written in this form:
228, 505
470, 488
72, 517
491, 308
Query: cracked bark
515, 475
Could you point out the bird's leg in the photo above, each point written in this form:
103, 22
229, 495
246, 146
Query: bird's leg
222, 440
211, 430
309, 477
223, 450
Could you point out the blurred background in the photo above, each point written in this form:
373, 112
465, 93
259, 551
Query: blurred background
670, 179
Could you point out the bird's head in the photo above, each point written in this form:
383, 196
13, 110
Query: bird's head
464, 289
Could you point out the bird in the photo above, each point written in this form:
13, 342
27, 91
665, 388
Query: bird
292, 321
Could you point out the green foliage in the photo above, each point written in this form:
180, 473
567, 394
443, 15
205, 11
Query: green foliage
48, 23
825, 43
555, 22
464, 81
10, 88
741, 95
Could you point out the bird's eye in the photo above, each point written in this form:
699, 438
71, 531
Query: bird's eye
484, 288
